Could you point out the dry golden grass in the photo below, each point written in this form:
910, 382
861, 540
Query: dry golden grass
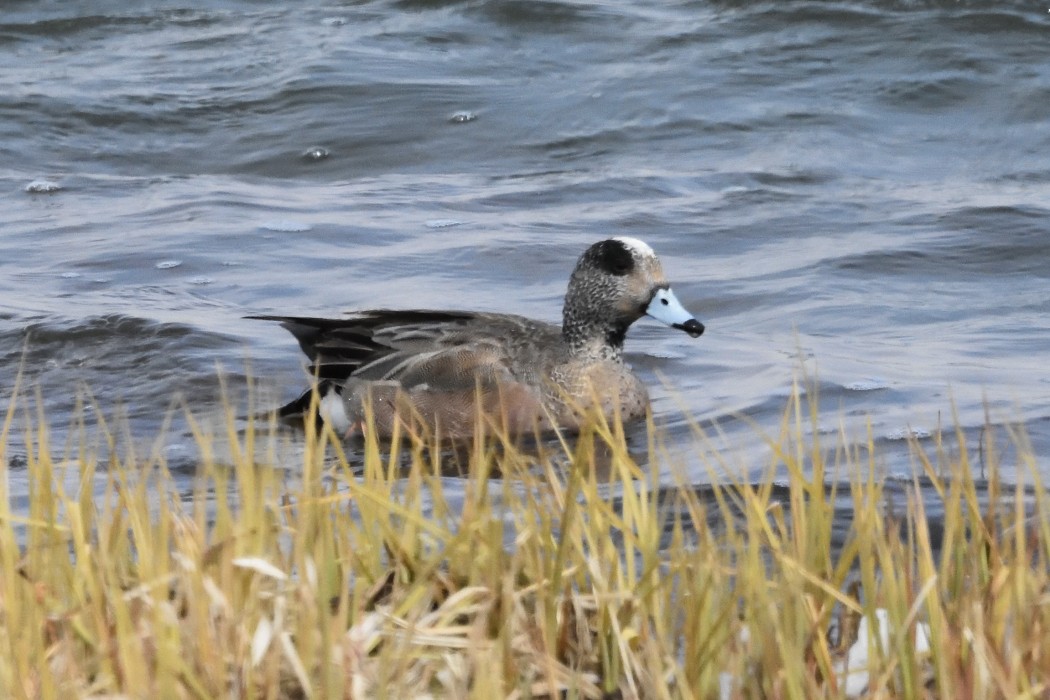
368, 582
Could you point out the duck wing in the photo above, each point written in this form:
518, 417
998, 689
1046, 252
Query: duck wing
441, 350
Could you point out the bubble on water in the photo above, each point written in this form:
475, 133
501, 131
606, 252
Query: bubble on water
315, 153
462, 117
167, 264
43, 187
442, 223
201, 280
70, 275
868, 384
285, 226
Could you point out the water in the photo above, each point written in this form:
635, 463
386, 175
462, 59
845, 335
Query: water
860, 189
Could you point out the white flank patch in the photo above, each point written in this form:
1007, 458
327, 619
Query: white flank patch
333, 411
855, 665
640, 247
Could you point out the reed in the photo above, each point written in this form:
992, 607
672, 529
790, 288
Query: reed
562, 571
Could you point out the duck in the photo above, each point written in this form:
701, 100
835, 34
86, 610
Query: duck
400, 372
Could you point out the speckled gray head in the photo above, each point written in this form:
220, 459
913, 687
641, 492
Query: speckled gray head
616, 282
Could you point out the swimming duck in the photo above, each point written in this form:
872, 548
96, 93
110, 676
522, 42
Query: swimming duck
438, 368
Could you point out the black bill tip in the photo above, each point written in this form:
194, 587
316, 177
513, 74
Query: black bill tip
692, 327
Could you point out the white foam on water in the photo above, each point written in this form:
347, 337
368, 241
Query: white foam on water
285, 226
905, 433
43, 187
868, 384
442, 223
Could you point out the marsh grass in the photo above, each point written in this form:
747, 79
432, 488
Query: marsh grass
362, 578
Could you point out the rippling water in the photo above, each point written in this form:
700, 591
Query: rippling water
859, 188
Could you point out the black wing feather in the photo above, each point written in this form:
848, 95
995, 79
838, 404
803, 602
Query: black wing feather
338, 347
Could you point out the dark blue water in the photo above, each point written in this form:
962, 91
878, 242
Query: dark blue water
859, 191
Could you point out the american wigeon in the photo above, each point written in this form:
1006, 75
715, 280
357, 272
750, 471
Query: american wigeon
438, 368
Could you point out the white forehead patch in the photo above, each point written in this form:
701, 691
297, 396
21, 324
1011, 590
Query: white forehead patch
640, 247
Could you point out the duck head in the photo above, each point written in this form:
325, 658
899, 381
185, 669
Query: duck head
616, 282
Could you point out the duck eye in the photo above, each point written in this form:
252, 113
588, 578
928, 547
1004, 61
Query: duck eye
620, 264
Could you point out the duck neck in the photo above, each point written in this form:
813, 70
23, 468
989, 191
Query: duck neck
598, 341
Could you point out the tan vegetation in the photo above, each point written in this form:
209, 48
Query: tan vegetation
366, 579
